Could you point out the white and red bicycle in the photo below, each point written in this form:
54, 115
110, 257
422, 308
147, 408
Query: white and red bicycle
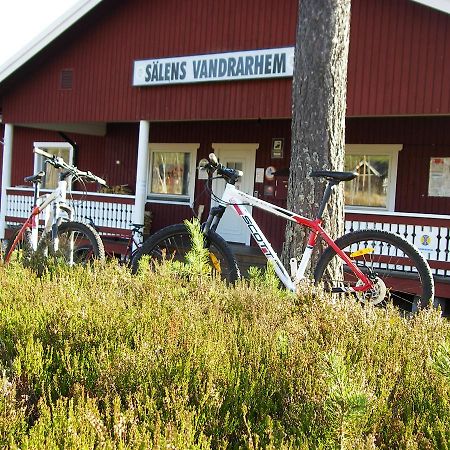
376, 265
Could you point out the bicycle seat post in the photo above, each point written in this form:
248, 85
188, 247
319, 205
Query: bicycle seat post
326, 197
37, 186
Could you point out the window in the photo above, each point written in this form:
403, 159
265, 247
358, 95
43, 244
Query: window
61, 149
377, 168
172, 172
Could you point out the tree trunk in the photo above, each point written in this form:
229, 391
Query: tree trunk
318, 115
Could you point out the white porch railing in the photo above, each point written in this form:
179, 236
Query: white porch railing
111, 213
430, 233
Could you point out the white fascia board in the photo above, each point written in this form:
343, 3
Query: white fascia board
47, 36
441, 5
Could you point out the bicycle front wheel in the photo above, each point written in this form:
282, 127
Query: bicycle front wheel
174, 242
399, 271
79, 243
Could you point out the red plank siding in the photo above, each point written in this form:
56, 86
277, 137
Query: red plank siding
102, 48
422, 138
398, 62
399, 59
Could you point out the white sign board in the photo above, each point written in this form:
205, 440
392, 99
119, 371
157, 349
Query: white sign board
253, 64
439, 182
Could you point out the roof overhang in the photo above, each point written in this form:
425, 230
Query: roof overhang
89, 128
83, 7
441, 5
47, 36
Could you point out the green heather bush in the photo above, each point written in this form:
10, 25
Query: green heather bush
97, 358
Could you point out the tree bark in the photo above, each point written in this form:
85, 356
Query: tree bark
318, 115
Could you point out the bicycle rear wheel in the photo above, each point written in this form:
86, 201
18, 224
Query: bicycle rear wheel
399, 271
21, 250
174, 242
79, 243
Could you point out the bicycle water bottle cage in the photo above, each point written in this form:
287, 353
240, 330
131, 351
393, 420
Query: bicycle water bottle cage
335, 177
37, 178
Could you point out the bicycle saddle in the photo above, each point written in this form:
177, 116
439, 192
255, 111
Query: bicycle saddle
334, 176
36, 178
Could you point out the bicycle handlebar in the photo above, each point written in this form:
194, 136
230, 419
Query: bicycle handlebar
230, 175
59, 163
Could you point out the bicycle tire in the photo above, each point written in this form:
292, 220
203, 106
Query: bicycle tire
23, 249
394, 261
87, 244
174, 242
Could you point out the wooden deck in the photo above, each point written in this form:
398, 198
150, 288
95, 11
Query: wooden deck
247, 256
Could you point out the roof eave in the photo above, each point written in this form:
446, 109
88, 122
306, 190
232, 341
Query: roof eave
440, 5
83, 7
58, 27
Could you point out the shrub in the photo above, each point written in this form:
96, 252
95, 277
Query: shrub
97, 358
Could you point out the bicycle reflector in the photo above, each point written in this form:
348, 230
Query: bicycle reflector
363, 251
215, 262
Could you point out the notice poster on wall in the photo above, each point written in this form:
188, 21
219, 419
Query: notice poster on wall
439, 182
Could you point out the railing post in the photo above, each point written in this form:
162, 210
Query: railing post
6, 175
141, 173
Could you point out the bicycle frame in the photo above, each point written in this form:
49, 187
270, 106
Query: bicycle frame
237, 200
134, 242
52, 218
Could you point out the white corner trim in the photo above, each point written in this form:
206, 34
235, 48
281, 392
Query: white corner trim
373, 148
232, 146
47, 36
174, 147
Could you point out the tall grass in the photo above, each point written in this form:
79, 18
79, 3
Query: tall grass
97, 358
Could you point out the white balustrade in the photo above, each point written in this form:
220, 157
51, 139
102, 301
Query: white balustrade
103, 210
429, 233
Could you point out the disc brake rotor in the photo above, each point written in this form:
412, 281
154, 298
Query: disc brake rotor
375, 295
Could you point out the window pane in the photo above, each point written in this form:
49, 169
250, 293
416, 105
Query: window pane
51, 174
370, 187
170, 173
235, 165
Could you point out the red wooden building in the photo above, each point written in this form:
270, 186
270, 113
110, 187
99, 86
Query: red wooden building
144, 84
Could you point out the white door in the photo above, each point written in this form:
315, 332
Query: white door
241, 157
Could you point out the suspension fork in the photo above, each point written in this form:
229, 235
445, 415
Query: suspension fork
215, 214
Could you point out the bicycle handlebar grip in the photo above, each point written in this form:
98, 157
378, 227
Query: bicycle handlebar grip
39, 151
213, 159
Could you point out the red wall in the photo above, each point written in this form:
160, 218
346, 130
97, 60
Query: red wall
99, 155
421, 139
398, 63
101, 51
399, 59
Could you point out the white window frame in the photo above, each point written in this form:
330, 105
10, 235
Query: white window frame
391, 151
175, 199
39, 159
